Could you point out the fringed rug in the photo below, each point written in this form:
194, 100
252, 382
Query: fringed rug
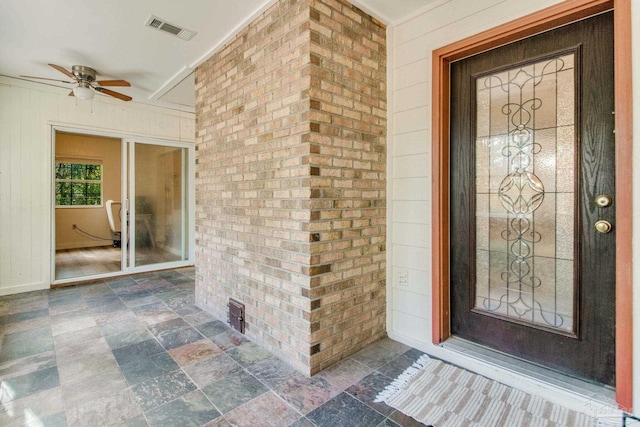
443, 395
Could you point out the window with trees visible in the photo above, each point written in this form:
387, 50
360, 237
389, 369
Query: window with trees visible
78, 183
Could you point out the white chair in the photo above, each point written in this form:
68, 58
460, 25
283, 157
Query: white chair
116, 234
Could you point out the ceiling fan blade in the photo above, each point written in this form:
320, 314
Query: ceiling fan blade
113, 83
114, 94
63, 71
44, 78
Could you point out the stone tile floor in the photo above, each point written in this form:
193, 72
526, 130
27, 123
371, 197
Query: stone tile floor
136, 351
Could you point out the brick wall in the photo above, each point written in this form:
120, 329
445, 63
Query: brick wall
290, 180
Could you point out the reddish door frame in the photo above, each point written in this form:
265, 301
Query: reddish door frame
545, 19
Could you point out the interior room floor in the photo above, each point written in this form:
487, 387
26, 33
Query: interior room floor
80, 262
87, 261
136, 351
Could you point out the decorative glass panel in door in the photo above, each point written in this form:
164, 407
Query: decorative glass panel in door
158, 204
525, 192
532, 261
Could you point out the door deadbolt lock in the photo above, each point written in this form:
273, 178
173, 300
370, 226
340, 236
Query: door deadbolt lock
603, 226
603, 201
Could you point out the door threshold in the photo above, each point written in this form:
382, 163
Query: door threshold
72, 281
598, 392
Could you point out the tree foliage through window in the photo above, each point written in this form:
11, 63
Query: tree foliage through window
78, 184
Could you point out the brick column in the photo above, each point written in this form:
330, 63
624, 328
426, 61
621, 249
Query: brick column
290, 180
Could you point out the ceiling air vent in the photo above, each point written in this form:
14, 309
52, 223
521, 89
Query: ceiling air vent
162, 25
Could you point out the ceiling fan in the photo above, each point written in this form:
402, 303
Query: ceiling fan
85, 78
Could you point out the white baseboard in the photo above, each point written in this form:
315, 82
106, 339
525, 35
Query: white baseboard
18, 289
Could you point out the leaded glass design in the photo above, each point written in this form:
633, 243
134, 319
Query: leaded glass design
525, 191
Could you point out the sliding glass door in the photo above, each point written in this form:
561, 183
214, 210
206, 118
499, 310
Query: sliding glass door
157, 204
140, 217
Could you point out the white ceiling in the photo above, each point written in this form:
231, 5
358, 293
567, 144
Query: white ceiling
110, 36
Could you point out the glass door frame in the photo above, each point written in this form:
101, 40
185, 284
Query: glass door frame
188, 201
187, 204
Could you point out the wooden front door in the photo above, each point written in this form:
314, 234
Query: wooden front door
532, 254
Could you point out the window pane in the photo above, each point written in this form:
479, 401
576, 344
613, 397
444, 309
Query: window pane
93, 190
94, 172
77, 171
63, 171
78, 193
70, 188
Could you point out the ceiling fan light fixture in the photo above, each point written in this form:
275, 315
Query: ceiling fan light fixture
83, 92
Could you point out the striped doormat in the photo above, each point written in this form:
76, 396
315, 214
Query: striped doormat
443, 395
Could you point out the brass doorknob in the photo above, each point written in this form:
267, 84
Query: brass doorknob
603, 200
603, 226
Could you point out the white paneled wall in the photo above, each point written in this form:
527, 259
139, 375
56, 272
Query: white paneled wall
27, 112
411, 43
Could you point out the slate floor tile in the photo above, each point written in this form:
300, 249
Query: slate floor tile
31, 301
55, 420
125, 338
377, 355
59, 297
73, 370
272, 371
199, 318
345, 410
27, 325
37, 406
109, 308
118, 326
168, 325
186, 310
83, 348
303, 422
136, 351
212, 369
16, 367
101, 300
153, 317
265, 410
120, 282
345, 373
306, 394
211, 329
24, 385
169, 293
67, 308
194, 352
248, 354
27, 315
234, 390
192, 410
72, 321
115, 316
26, 343
404, 420
229, 339
368, 389
94, 387
105, 339
150, 308
177, 338
396, 366
118, 408
147, 368
163, 389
